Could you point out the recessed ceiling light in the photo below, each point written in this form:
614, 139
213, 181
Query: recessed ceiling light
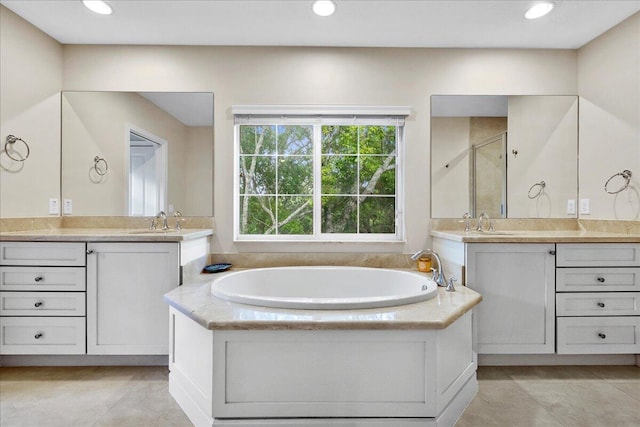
538, 10
324, 7
97, 6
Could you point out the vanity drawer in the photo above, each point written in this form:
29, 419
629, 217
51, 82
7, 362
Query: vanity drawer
598, 304
600, 254
42, 278
42, 303
598, 279
598, 335
42, 253
42, 335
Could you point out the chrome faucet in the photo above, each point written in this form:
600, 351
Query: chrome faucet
438, 274
162, 215
178, 216
467, 222
481, 220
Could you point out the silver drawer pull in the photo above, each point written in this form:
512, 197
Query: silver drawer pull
89, 251
601, 335
38, 335
38, 304
600, 279
39, 279
601, 304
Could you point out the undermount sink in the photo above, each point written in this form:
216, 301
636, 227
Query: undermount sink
492, 233
153, 231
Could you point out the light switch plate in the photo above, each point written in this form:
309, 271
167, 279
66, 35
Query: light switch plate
54, 206
67, 206
585, 206
571, 207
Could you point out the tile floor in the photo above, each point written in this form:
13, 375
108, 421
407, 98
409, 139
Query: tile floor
137, 396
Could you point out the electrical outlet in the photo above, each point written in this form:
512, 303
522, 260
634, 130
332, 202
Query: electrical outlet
571, 207
54, 206
585, 206
67, 206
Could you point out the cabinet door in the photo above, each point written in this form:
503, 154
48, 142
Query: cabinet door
517, 284
126, 282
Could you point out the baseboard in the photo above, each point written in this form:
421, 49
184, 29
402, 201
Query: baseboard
82, 360
556, 359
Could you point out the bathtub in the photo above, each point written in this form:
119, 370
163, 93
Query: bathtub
324, 288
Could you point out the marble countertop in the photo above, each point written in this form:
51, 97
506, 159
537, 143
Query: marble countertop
105, 235
196, 301
536, 236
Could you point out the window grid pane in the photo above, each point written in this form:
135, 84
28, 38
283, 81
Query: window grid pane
357, 179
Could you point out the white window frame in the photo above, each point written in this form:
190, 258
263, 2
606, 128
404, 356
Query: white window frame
321, 115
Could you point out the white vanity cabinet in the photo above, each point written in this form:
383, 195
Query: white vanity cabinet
42, 298
126, 314
598, 298
517, 284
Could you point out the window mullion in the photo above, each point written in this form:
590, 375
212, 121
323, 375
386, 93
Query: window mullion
317, 179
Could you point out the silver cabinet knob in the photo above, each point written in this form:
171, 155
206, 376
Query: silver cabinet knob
89, 251
601, 335
600, 279
39, 278
38, 304
38, 335
601, 304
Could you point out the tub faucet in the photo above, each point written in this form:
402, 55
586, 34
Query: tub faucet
484, 216
162, 215
438, 274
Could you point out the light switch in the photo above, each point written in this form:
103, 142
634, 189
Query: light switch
571, 207
585, 206
54, 206
67, 206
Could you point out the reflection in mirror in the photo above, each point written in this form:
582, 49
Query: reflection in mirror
155, 151
489, 152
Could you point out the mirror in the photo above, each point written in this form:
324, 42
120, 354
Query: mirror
136, 153
511, 156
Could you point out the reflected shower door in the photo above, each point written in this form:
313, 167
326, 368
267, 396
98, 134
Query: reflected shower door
489, 186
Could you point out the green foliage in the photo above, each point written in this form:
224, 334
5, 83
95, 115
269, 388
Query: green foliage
357, 167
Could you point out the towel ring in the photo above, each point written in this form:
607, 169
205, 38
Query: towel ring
11, 139
626, 175
540, 186
98, 159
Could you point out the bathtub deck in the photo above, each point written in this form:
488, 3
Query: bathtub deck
196, 302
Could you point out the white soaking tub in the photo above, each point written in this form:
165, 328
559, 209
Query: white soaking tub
324, 288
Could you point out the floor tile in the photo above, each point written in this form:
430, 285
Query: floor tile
550, 373
631, 388
585, 404
616, 373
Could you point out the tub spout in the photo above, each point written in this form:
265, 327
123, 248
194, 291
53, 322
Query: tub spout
438, 273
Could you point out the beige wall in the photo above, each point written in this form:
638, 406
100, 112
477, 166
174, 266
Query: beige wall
95, 124
609, 88
543, 130
450, 167
246, 75
30, 82
198, 172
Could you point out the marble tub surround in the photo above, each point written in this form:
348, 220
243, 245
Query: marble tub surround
290, 259
196, 301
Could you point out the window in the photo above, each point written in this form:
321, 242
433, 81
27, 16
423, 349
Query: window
318, 177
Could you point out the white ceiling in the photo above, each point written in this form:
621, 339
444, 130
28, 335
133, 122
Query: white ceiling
385, 23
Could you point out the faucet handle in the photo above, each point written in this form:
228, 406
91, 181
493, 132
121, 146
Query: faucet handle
491, 226
152, 225
450, 286
467, 221
178, 216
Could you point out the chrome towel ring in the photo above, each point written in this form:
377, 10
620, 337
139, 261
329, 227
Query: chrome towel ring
99, 171
540, 185
626, 175
12, 139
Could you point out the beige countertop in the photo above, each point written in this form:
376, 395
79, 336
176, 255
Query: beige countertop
104, 235
196, 301
536, 236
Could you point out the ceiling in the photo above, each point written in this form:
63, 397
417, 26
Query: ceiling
366, 23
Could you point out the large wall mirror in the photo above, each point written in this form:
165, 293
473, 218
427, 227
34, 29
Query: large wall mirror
507, 156
136, 153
